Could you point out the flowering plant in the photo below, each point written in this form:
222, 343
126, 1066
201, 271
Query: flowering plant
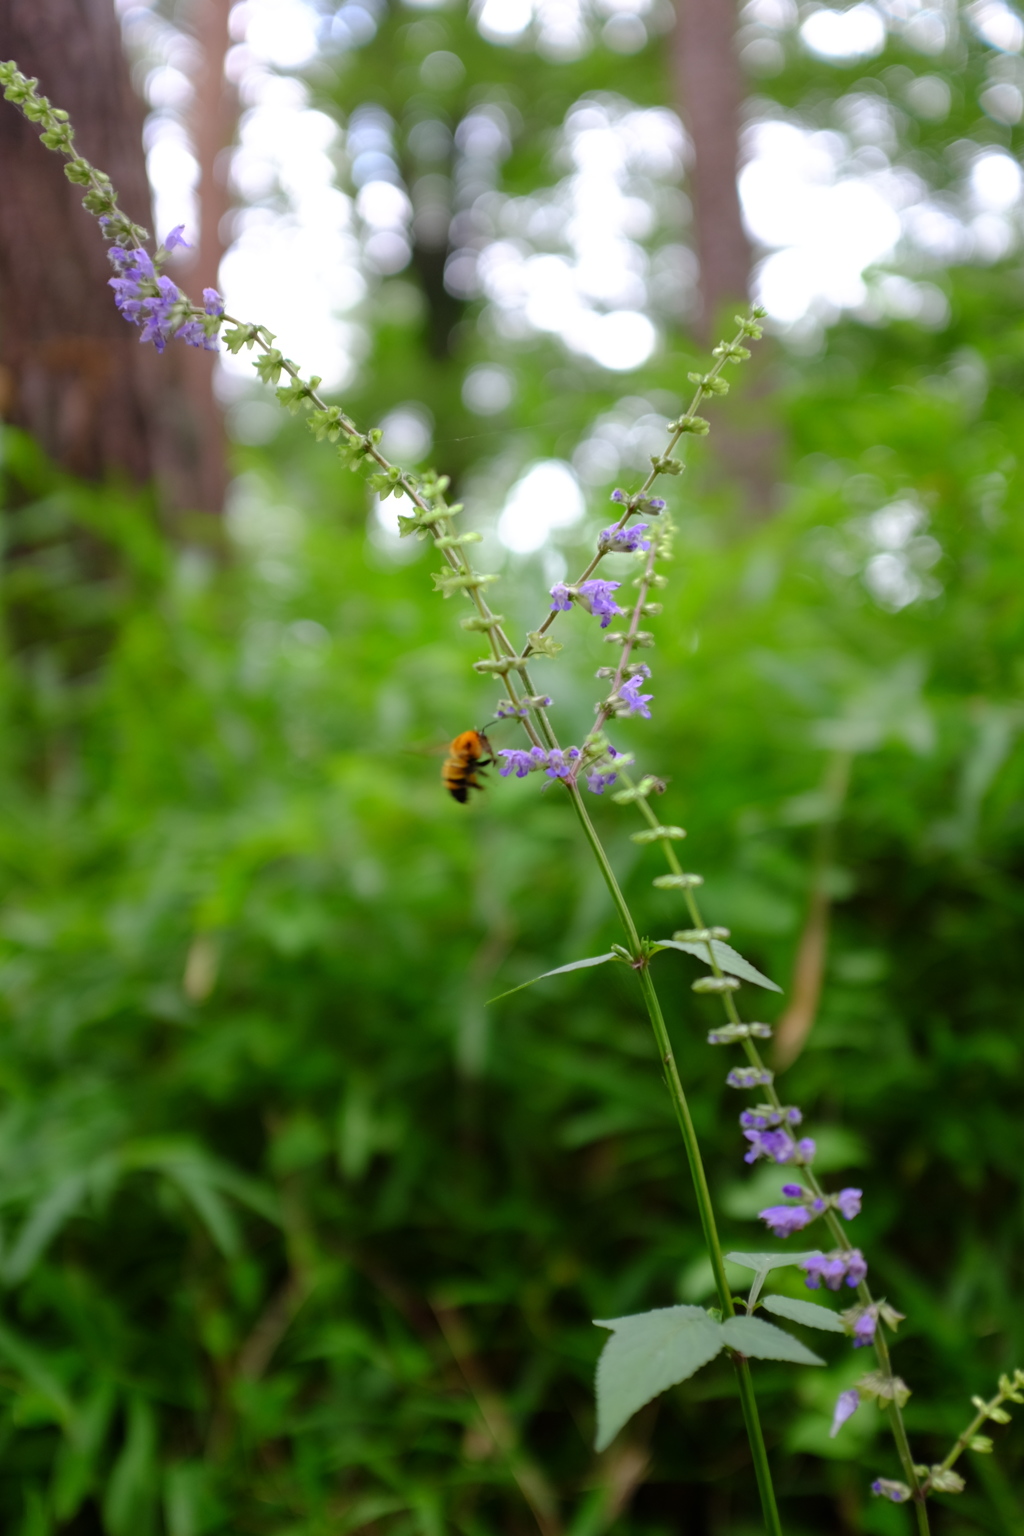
652, 1351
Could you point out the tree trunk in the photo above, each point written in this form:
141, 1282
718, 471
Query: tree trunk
212, 123
72, 372
710, 88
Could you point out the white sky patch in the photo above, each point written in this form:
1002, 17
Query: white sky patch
295, 270
546, 497
997, 25
834, 211
568, 259
597, 259
857, 33
827, 229
279, 32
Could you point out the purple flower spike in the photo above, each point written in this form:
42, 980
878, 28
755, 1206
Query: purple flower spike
864, 1329
847, 1404
176, 238
598, 597
561, 601
848, 1202
624, 540
631, 696
785, 1220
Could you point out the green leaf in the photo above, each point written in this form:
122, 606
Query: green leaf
807, 1312
763, 1341
575, 965
131, 1485
768, 1261
34, 1366
728, 960
646, 1354
42, 1225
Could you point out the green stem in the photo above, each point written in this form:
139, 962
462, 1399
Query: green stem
899, 1432
700, 1184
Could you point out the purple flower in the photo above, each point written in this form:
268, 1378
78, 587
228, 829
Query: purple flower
655, 504
620, 497
559, 764
764, 1115
635, 701
847, 1404
805, 1149
599, 781
213, 302
521, 762
785, 1220
624, 540
864, 1328
834, 1268
194, 333
176, 238
856, 1268
562, 600
831, 1269
794, 1191
776, 1146
743, 1077
150, 301
597, 595
848, 1202
882, 1488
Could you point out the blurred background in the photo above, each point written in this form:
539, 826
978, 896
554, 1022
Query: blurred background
299, 1237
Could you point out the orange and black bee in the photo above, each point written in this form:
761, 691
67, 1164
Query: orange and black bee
468, 755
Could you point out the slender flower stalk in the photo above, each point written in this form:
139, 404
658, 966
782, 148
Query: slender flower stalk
785, 1221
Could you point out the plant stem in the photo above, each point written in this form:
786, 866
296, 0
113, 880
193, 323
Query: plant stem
700, 1184
899, 1432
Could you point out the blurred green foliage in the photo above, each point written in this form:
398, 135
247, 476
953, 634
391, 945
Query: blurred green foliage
299, 1236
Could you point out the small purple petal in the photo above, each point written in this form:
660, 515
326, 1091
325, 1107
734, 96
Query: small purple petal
785, 1220
848, 1202
847, 1404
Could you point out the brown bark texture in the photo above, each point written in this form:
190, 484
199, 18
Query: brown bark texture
212, 124
710, 88
72, 371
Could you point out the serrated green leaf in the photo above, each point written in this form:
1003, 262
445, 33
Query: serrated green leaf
806, 1312
560, 970
646, 1354
769, 1261
729, 961
763, 1341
